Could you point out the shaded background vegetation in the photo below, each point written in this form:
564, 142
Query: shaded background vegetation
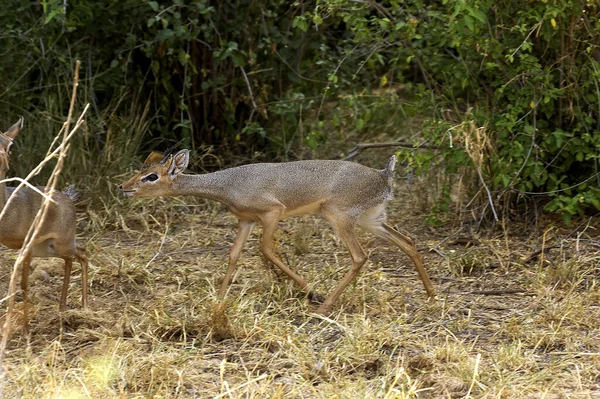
508, 90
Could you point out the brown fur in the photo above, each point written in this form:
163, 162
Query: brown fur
56, 236
345, 193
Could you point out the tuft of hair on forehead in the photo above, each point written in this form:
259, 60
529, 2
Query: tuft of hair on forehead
154, 158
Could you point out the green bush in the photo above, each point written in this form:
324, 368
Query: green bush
528, 71
277, 79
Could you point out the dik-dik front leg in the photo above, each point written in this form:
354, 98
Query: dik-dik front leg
244, 230
66, 280
269, 221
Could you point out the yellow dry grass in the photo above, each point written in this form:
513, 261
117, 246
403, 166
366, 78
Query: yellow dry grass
501, 327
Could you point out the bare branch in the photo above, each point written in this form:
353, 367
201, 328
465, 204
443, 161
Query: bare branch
398, 144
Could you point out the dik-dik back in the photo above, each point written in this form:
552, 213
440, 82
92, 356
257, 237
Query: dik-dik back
306, 184
58, 224
297, 188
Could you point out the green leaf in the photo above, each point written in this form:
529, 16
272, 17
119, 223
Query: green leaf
468, 21
311, 141
52, 14
360, 123
164, 34
153, 5
300, 23
238, 60
478, 15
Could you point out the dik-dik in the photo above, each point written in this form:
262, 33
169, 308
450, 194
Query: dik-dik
56, 236
347, 194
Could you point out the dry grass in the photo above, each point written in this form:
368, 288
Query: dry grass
501, 328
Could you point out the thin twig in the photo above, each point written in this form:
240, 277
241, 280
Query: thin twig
25, 182
489, 194
524, 41
498, 292
249, 88
360, 147
329, 81
561, 189
534, 254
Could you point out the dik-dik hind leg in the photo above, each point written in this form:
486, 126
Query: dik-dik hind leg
345, 229
388, 233
81, 256
244, 230
269, 222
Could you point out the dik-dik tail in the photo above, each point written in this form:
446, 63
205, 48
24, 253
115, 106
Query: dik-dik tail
72, 192
388, 172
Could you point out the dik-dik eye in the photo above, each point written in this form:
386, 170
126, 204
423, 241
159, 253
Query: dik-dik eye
150, 177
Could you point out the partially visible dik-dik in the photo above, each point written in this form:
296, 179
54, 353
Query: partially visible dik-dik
345, 193
56, 236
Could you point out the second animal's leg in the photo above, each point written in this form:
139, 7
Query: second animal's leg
345, 229
24, 290
269, 222
66, 280
81, 256
244, 230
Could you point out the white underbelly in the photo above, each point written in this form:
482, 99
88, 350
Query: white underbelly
314, 207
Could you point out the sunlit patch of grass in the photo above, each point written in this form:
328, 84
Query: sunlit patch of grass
71, 392
101, 371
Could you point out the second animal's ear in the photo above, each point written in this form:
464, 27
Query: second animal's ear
154, 158
179, 162
14, 129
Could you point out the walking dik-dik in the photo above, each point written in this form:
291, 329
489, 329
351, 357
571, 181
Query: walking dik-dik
345, 193
56, 236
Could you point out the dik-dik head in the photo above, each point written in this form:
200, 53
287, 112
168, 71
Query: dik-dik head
157, 174
6, 140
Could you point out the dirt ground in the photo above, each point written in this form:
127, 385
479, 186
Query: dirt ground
517, 315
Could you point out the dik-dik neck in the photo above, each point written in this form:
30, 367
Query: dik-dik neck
209, 186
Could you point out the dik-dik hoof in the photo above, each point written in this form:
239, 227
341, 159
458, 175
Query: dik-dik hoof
323, 310
315, 298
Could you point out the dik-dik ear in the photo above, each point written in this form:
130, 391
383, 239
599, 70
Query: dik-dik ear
15, 129
179, 162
